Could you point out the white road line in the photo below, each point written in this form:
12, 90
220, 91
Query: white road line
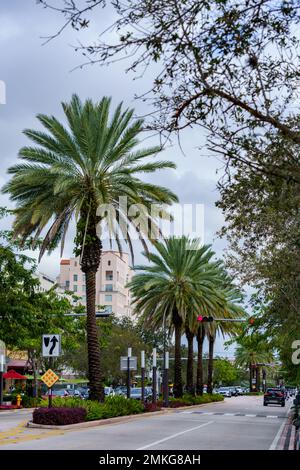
187, 412
277, 437
228, 414
208, 413
272, 416
250, 416
174, 435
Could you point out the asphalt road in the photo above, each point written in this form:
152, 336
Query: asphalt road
237, 423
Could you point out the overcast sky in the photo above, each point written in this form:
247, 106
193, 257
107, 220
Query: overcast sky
39, 77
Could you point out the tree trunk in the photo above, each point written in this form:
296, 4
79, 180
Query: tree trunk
190, 362
200, 341
177, 322
210, 364
89, 265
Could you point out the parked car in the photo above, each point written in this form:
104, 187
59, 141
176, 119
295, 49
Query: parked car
136, 393
57, 393
239, 390
109, 391
274, 396
120, 390
225, 391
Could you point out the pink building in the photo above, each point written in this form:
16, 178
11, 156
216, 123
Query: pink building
112, 276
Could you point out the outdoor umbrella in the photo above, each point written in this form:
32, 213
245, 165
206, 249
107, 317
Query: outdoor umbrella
12, 374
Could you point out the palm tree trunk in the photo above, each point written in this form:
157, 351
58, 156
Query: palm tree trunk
89, 265
177, 322
190, 362
210, 364
200, 341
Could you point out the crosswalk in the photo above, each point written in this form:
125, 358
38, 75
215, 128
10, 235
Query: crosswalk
210, 413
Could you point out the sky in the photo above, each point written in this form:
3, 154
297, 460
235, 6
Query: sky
38, 77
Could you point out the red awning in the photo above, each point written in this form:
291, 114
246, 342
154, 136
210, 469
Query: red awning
12, 374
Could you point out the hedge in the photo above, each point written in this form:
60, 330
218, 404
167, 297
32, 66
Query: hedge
59, 416
112, 407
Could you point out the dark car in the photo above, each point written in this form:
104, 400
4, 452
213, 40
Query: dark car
274, 396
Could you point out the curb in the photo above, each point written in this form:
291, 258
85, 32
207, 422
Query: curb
117, 419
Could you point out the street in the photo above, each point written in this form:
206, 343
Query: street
237, 424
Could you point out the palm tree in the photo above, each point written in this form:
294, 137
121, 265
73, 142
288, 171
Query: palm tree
72, 172
230, 309
176, 282
252, 350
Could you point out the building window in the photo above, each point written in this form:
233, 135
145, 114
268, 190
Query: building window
109, 275
83, 287
75, 264
67, 284
109, 262
75, 288
83, 278
75, 277
108, 298
109, 287
108, 308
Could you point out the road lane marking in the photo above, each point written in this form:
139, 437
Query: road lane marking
228, 414
174, 435
250, 416
277, 437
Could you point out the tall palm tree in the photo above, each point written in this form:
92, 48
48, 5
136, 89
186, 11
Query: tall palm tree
74, 170
253, 349
200, 335
176, 282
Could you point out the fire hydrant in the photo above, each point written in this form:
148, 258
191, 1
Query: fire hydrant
19, 399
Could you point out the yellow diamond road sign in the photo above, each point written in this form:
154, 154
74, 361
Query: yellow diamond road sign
49, 378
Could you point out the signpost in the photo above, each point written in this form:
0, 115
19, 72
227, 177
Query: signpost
51, 347
50, 378
154, 377
143, 375
128, 363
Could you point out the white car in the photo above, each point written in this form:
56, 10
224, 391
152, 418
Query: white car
226, 392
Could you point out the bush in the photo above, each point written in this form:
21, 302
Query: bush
58, 416
149, 407
30, 402
112, 407
189, 400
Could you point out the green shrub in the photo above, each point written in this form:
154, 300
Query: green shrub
30, 402
112, 407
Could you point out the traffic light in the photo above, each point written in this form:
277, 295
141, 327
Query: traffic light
205, 319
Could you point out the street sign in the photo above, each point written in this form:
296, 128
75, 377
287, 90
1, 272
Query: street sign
132, 363
49, 378
51, 345
254, 381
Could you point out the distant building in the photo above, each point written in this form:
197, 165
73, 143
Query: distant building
112, 276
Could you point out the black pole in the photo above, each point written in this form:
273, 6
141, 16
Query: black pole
128, 377
50, 389
1, 388
143, 384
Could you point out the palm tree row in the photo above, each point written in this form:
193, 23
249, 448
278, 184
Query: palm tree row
70, 171
181, 283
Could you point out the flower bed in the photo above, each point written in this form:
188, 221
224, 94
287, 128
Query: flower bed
58, 416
